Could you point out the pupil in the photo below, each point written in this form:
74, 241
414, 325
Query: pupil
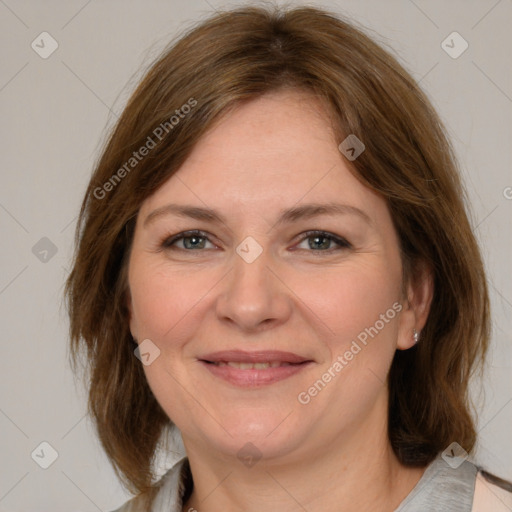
192, 241
326, 241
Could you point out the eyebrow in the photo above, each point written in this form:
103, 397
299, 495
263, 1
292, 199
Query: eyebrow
305, 211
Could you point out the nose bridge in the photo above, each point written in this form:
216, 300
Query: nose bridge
252, 294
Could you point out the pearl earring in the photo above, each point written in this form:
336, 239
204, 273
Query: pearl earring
415, 335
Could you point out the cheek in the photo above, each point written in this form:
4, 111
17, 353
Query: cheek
166, 309
163, 298
360, 306
341, 301
351, 299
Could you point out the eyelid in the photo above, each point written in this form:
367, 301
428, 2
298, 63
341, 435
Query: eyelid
339, 240
167, 242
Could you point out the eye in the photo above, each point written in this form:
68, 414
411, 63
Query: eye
323, 240
319, 241
192, 240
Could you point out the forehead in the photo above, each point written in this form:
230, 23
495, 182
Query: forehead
274, 151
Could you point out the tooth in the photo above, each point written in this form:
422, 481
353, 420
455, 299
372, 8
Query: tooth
241, 366
261, 366
252, 366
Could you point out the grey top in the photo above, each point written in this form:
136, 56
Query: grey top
441, 488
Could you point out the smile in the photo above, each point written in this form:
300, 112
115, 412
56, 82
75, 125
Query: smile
251, 366
255, 368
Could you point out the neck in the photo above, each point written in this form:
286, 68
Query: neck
358, 471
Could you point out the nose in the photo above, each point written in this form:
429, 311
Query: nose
254, 297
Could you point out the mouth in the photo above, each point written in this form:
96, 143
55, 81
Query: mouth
254, 369
251, 366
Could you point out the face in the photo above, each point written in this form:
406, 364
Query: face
301, 269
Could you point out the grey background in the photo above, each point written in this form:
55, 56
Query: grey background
54, 114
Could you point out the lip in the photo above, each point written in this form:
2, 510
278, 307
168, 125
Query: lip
260, 356
254, 377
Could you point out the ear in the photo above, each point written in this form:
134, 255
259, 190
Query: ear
416, 305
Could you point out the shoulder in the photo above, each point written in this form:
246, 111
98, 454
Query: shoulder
137, 504
458, 486
129, 506
491, 493
168, 492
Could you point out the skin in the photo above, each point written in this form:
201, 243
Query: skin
310, 298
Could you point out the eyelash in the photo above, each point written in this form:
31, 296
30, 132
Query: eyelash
168, 243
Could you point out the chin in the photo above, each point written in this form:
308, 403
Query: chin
254, 435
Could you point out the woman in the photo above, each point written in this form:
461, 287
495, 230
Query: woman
274, 256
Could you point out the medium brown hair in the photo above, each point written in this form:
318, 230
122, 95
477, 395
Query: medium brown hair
233, 57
